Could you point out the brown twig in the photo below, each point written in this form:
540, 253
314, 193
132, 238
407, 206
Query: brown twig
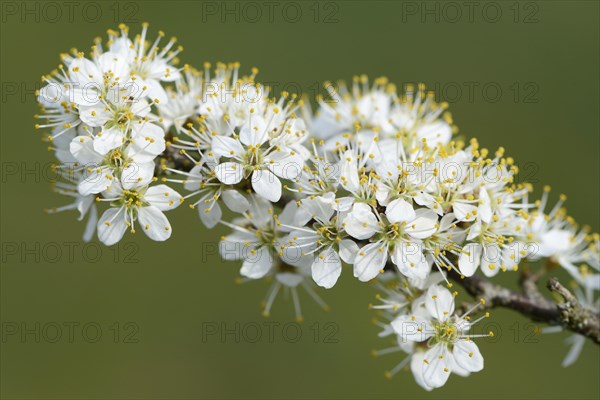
573, 315
532, 304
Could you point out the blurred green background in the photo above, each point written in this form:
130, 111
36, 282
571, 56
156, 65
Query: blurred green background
533, 69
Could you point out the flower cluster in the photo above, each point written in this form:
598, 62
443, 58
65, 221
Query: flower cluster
105, 135
420, 314
375, 178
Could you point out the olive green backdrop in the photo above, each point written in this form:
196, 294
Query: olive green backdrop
528, 79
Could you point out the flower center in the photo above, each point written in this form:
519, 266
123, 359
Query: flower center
328, 231
445, 332
116, 159
133, 198
266, 235
253, 157
390, 233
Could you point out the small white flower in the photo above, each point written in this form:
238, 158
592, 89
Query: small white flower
416, 111
319, 175
58, 112
126, 164
228, 99
201, 181
140, 203
324, 239
183, 100
368, 107
450, 347
255, 240
557, 237
380, 109
148, 65
251, 156
491, 247
121, 121
398, 233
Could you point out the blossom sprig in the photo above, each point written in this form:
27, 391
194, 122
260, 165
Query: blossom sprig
374, 178
106, 135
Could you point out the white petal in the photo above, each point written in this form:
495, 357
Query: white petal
95, 180
435, 132
94, 115
416, 366
348, 251
446, 222
85, 71
410, 260
399, 211
210, 216
368, 146
457, 369
285, 165
148, 141
111, 226
318, 207
577, 342
109, 139
485, 206
137, 175
382, 193
289, 279
349, 172
370, 261
229, 173
361, 223
467, 355
439, 302
266, 184
469, 259
556, 241
162, 197
82, 148
293, 215
424, 199
295, 255
64, 155
192, 183
424, 225
413, 328
261, 211
343, 204
154, 223
253, 132
326, 268
164, 72
233, 247
474, 230
115, 63
139, 106
437, 368
156, 91
235, 201
84, 203
88, 95
420, 308
491, 260
463, 211
224, 146
258, 264
90, 226
433, 279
